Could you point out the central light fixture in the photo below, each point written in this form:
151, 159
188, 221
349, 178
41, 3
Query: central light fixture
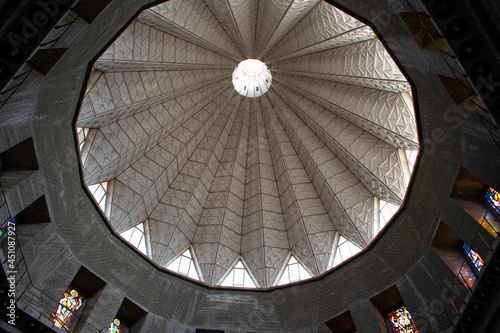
252, 78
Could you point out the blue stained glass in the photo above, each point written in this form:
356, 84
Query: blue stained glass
476, 259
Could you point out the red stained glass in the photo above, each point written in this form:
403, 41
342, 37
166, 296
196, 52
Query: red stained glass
401, 321
493, 198
117, 326
65, 312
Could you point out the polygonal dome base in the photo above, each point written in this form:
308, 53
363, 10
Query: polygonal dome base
307, 169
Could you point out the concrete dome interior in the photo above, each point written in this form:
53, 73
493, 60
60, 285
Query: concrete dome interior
298, 171
98, 79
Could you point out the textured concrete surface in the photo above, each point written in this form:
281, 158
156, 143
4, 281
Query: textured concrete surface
402, 256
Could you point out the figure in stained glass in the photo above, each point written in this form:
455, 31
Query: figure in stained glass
401, 321
65, 312
117, 326
493, 198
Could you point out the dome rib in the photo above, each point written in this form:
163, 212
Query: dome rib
180, 210
238, 20
160, 48
351, 36
133, 136
357, 149
304, 218
253, 179
110, 66
395, 86
337, 194
358, 105
294, 12
366, 61
111, 99
170, 155
264, 229
319, 25
178, 20
220, 223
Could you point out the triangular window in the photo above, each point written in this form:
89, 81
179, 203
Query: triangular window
137, 237
387, 211
411, 158
99, 192
239, 277
345, 249
407, 160
184, 265
294, 271
383, 212
82, 135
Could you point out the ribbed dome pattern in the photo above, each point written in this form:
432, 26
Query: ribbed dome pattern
253, 178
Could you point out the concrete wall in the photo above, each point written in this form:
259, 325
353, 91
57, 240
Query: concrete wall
452, 136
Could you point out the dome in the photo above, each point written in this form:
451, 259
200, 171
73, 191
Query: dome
238, 177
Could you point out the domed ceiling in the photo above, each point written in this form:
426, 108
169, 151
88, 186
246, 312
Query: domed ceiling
233, 177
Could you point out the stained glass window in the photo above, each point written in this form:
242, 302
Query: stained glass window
490, 224
294, 272
65, 312
476, 259
5, 227
239, 277
493, 198
401, 321
345, 249
184, 265
137, 237
467, 275
99, 193
117, 326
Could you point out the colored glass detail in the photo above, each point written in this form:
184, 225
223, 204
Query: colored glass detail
5, 227
401, 321
65, 312
493, 198
467, 276
117, 326
491, 225
476, 259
